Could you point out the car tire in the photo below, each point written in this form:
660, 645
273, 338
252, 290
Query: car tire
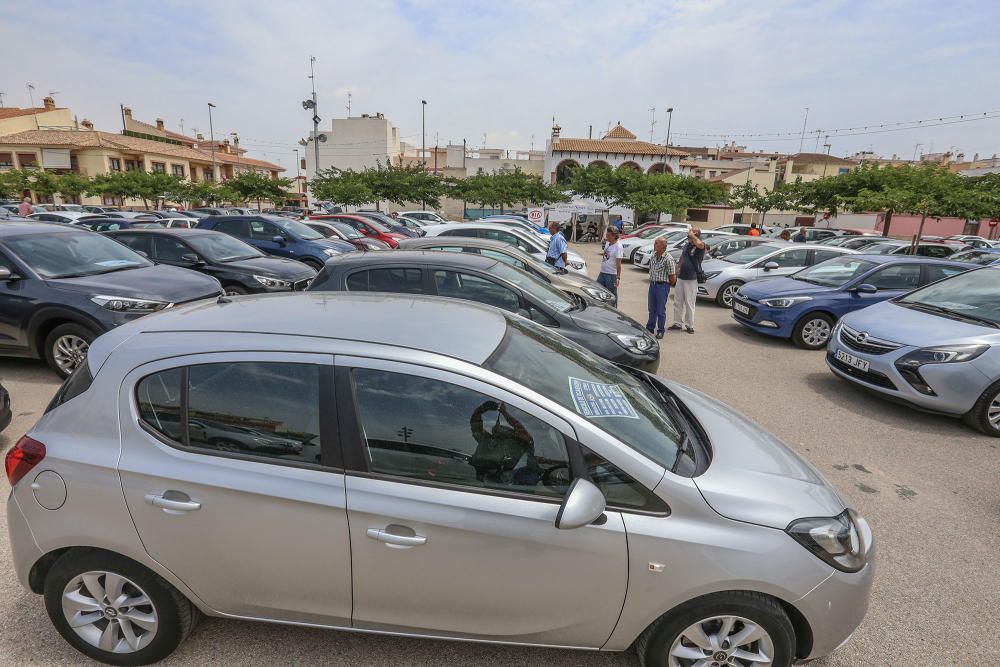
235, 290
721, 295
66, 347
167, 615
979, 416
313, 264
631, 256
655, 645
812, 331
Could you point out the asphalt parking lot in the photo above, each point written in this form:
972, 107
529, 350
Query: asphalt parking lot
928, 485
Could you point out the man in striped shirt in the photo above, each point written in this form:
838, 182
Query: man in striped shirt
662, 274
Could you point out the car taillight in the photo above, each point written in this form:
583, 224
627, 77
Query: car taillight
22, 457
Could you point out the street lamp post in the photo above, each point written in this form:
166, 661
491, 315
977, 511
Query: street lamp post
236, 142
211, 138
423, 142
670, 118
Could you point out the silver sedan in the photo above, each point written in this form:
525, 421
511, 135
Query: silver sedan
725, 275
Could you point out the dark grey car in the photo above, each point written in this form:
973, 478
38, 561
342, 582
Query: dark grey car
601, 329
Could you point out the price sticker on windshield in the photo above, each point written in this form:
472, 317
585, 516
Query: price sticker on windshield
596, 399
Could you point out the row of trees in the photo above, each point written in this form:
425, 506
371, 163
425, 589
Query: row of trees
153, 188
927, 190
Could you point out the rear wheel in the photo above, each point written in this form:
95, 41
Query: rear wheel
313, 264
235, 290
66, 347
812, 332
114, 610
985, 414
726, 293
736, 629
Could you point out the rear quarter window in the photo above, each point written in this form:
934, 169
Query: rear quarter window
75, 384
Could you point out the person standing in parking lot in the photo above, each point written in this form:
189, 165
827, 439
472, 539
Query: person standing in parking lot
686, 292
662, 274
558, 248
785, 235
800, 237
611, 264
24, 208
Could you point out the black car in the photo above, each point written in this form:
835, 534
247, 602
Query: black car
5, 411
62, 286
241, 268
601, 329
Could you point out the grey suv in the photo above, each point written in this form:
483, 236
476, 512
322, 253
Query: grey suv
457, 472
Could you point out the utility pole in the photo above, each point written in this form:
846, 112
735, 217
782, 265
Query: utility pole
915, 149
826, 145
182, 126
1, 98
315, 110
236, 141
802, 137
652, 122
670, 119
298, 175
211, 138
31, 94
423, 142
348, 104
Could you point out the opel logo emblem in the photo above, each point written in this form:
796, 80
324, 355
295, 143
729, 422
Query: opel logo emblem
720, 655
863, 336
111, 612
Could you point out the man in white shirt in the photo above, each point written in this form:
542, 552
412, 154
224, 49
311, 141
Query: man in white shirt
611, 264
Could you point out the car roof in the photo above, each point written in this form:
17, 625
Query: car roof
475, 330
364, 259
68, 214
905, 259
23, 228
172, 231
471, 225
468, 241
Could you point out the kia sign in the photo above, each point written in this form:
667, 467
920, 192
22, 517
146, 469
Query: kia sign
536, 215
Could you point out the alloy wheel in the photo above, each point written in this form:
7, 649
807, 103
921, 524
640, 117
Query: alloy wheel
816, 332
109, 612
993, 412
722, 641
69, 351
728, 294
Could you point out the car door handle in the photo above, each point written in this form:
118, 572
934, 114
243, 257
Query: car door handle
173, 505
397, 541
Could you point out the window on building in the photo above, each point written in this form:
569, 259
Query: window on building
177, 170
207, 174
114, 164
131, 165
711, 173
159, 167
27, 159
6, 159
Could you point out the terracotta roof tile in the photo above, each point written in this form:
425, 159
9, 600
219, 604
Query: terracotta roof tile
14, 112
619, 132
243, 159
631, 147
820, 158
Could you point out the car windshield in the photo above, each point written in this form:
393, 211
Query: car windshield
970, 296
835, 272
750, 254
299, 229
221, 247
378, 225
74, 255
983, 257
650, 232
347, 231
613, 400
539, 289
882, 248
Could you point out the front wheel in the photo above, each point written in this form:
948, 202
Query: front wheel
812, 332
313, 264
235, 290
736, 629
114, 610
727, 293
66, 347
985, 414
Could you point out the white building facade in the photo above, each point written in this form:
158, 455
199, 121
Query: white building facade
618, 149
355, 143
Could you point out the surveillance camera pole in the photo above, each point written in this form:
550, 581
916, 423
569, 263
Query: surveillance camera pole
315, 110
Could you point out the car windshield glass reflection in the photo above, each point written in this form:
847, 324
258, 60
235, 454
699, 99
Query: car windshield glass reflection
222, 248
347, 231
74, 255
543, 291
751, 254
834, 272
970, 296
576, 379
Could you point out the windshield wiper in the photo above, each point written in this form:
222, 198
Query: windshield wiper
948, 312
683, 447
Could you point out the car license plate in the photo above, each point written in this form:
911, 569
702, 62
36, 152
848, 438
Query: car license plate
741, 308
851, 360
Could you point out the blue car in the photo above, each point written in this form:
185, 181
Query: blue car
278, 236
805, 305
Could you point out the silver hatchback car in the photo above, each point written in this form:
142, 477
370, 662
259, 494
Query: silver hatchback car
462, 474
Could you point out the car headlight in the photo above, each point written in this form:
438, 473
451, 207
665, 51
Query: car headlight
941, 355
122, 304
835, 540
272, 282
785, 302
577, 265
330, 252
597, 293
631, 342
711, 274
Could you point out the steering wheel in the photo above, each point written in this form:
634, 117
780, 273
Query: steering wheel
563, 479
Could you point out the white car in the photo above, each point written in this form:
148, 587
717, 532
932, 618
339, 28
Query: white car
522, 240
724, 276
675, 241
429, 217
66, 217
645, 237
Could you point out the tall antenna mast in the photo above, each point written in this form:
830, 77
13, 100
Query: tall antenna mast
652, 122
348, 104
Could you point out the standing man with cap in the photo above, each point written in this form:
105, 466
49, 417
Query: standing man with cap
611, 264
558, 248
24, 208
662, 274
686, 293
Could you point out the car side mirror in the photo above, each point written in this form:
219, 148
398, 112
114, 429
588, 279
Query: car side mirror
584, 504
280, 240
770, 266
865, 288
7, 274
191, 258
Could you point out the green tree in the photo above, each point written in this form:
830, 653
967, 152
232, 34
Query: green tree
670, 193
72, 185
254, 186
44, 183
342, 186
600, 182
747, 195
113, 184
13, 183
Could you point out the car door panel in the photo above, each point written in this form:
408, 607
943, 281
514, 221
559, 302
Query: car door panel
272, 539
487, 564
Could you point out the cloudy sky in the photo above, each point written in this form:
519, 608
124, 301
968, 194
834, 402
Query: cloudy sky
504, 69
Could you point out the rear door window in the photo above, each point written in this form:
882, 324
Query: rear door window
396, 280
790, 258
937, 272
474, 288
167, 249
138, 242
901, 276
238, 228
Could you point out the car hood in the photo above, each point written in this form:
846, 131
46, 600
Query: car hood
288, 269
339, 246
753, 476
575, 257
903, 325
719, 265
605, 319
768, 288
159, 283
